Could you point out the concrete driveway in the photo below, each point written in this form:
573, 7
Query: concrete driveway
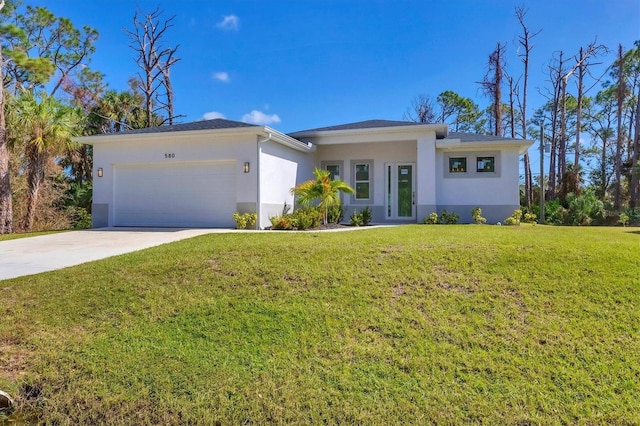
27, 256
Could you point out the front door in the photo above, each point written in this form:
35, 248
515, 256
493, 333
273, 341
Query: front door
401, 191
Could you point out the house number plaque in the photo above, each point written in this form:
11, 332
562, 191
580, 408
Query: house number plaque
169, 155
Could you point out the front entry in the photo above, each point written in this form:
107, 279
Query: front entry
400, 200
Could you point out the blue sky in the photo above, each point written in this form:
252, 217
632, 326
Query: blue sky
299, 64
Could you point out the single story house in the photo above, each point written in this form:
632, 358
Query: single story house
198, 174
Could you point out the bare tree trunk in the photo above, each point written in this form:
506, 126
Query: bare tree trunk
618, 159
6, 202
635, 166
35, 177
576, 158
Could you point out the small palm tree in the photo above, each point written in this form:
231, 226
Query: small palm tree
45, 128
323, 190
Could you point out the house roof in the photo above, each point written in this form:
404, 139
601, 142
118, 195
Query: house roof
474, 137
216, 123
368, 124
371, 126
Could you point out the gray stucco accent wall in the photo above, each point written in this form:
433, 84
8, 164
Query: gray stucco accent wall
100, 215
493, 214
246, 207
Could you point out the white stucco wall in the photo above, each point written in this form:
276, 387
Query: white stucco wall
379, 153
501, 188
281, 168
165, 149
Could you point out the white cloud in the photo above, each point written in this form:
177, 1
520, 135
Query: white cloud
213, 114
222, 76
229, 23
259, 117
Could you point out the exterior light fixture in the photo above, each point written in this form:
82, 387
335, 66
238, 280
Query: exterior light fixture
245, 168
100, 172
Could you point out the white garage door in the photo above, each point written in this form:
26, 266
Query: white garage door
196, 194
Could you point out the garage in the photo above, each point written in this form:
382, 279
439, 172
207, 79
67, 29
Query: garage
186, 194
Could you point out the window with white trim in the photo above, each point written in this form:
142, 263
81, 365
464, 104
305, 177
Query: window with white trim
362, 180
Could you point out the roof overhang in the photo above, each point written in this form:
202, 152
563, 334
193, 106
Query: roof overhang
457, 145
264, 132
372, 134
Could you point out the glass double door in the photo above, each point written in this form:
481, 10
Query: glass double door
400, 191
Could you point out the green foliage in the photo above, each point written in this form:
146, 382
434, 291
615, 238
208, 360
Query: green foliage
476, 214
514, 219
449, 218
355, 219
322, 190
366, 216
362, 218
335, 214
585, 208
623, 219
245, 220
432, 219
300, 220
529, 217
80, 218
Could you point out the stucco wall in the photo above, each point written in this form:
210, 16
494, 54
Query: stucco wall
164, 150
281, 169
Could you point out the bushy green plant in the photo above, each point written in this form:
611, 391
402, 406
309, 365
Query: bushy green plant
306, 218
476, 214
366, 216
530, 217
81, 218
556, 213
585, 208
245, 220
300, 219
432, 219
335, 214
283, 222
449, 218
623, 219
356, 218
514, 219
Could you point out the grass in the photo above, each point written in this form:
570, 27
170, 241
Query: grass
15, 236
426, 324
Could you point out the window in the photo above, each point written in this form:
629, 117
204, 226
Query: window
486, 164
334, 171
457, 164
362, 181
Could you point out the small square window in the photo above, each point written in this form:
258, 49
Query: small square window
457, 164
486, 164
334, 171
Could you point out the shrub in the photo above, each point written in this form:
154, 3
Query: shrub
363, 218
366, 216
335, 214
514, 219
283, 222
624, 219
306, 218
530, 218
300, 219
356, 218
432, 219
245, 220
449, 218
556, 214
585, 208
476, 214
81, 218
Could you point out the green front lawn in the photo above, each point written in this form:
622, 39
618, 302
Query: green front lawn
414, 324
16, 236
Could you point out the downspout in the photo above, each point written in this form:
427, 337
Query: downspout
258, 189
